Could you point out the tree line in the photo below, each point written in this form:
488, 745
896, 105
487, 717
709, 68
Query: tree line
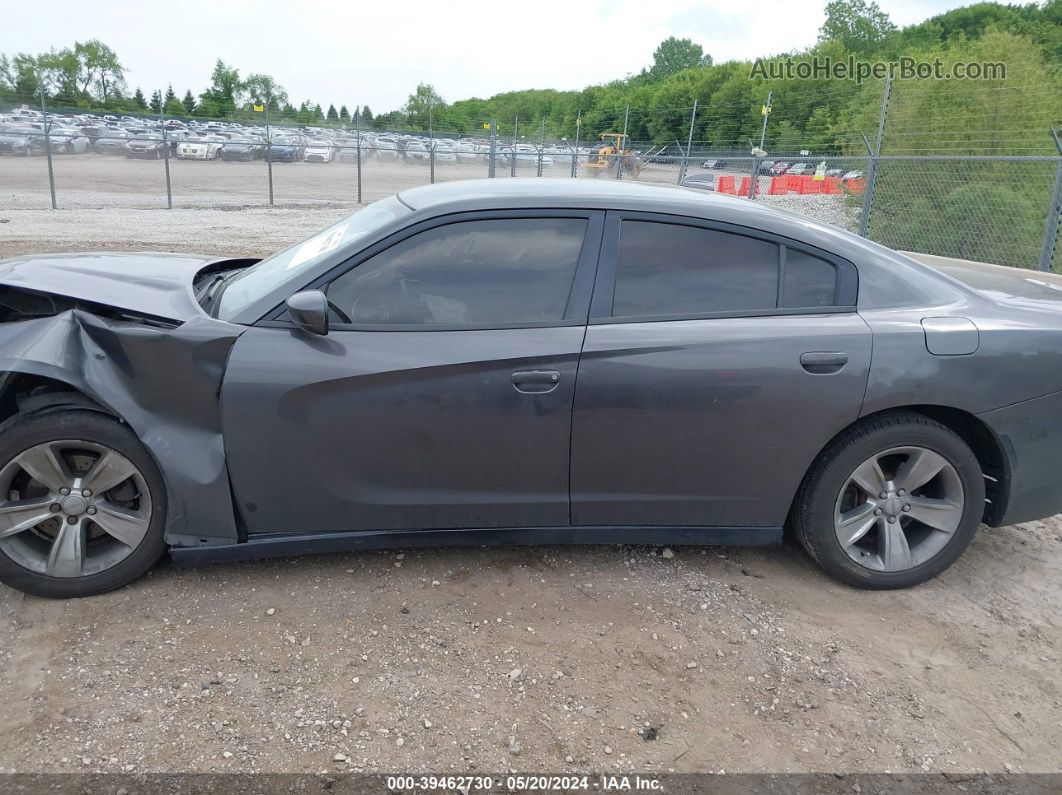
822, 115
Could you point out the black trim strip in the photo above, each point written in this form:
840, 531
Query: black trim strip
284, 545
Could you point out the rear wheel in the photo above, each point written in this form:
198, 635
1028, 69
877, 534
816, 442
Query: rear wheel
82, 504
891, 503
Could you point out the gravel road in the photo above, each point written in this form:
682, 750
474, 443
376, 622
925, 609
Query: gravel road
547, 659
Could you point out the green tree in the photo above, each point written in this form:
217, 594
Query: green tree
188, 103
138, 99
417, 106
860, 26
156, 102
344, 114
673, 55
366, 116
171, 105
224, 92
100, 73
264, 89
332, 115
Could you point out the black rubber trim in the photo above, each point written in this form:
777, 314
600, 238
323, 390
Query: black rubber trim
284, 545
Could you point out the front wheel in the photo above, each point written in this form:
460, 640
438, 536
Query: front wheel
82, 504
891, 502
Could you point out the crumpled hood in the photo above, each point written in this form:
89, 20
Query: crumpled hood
155, 284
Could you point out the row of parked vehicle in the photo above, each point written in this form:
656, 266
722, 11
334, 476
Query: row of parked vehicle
776, 168
23, 133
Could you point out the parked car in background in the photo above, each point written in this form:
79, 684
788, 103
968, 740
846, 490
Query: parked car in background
416, 151
714, 163
801, 169
465, 152
319, 150
780, 167
244, 148
850, 175
200, 147
699, 182
20, 139
766, 166
68, 140
445, 152
385, 148
145, 145
286, 148
111, 142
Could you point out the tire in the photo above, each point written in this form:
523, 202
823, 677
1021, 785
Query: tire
816, 516
97, 549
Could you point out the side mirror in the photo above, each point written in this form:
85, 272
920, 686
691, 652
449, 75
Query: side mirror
309, 311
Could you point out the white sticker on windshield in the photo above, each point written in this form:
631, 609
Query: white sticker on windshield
316, 246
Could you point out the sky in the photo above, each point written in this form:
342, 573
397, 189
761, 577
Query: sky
354, 52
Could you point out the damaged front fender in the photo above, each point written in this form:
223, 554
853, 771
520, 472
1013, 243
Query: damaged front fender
164, 382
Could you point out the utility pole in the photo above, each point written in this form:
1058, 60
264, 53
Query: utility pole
754, 178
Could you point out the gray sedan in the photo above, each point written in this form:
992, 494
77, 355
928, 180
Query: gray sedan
522, 362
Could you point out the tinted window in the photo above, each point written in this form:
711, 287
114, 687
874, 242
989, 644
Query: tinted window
668, 269
474, 272
809, 281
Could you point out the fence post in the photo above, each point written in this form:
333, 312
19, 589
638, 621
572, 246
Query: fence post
165, 152
872, 169
491, 159
512, 148
689, 146
1054, 212
754, 179
431, 147
269, 153
575, 152
542, 146
357, 131
48, 148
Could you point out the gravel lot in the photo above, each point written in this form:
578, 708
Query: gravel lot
93, 181
547, 659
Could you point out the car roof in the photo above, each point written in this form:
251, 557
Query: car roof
602, 194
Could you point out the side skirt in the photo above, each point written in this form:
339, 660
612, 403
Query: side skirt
275, 545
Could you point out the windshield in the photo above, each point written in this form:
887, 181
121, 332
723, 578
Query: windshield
256, 282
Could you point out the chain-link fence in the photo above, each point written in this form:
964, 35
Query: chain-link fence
910, 190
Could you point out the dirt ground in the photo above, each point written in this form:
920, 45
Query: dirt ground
546, 659
92, 181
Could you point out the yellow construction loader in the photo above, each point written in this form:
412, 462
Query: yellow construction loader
611, 155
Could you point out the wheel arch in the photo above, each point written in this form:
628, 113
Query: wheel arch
26, 392
984, 443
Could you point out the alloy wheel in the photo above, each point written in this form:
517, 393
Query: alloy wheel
72, 508
899, 509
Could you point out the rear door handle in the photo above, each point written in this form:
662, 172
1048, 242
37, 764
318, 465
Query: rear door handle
536, 382
822, 362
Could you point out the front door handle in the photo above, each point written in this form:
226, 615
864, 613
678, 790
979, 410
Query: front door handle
823, 362
536, 382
